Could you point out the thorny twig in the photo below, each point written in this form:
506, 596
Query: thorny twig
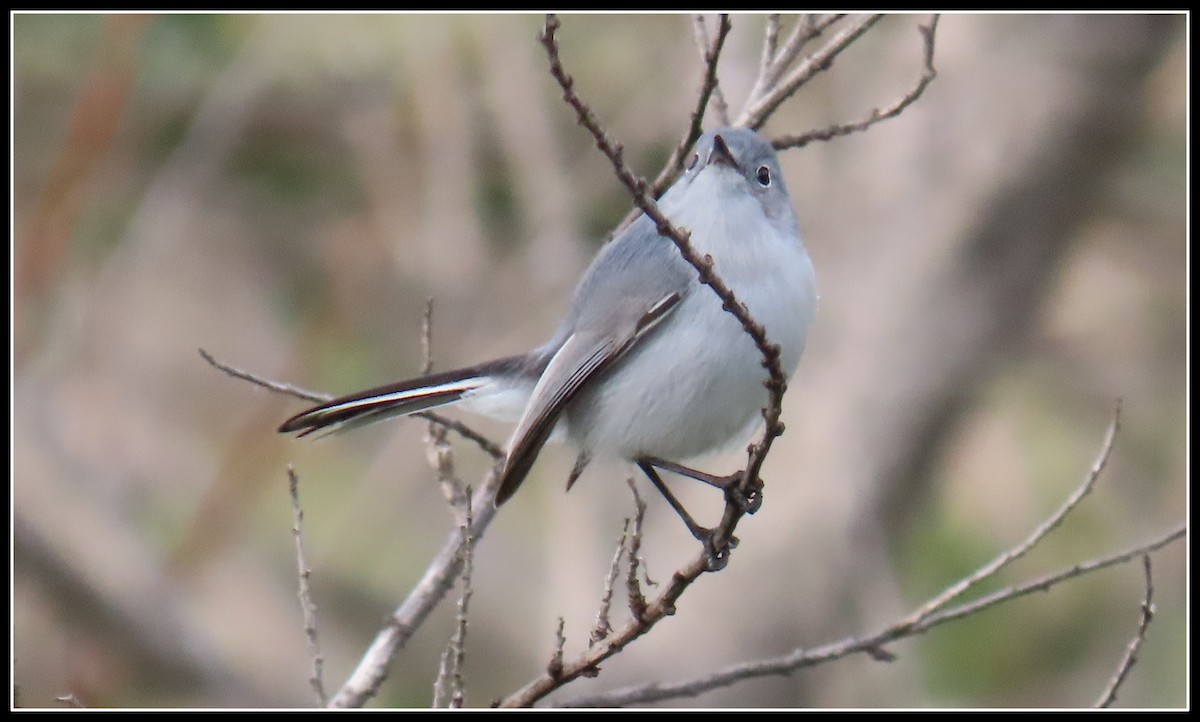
1130, 657
872, 645
772, 95
603, 626
317, 679
928, 73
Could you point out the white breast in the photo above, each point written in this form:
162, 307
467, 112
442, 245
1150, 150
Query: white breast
696, 385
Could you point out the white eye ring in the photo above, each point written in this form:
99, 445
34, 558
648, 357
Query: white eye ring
763, 175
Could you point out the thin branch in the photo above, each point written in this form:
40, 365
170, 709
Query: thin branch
268, 384
554, 668
928, 615
489, 447
777, 383
637, 600
441, 683
438, 451
872, 645
708, 86
709, 54
603, 626
437, 581
664, 603
1003, 560
1110, 693
1045, 583
808, 27
458, 644
928, 73
770, 42
759, 109
317, 680
427, 338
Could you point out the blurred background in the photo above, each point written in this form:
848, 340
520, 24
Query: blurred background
998, 266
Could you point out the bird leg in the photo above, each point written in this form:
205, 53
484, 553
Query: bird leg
749, 502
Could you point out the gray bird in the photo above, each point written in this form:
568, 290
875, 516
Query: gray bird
646, 366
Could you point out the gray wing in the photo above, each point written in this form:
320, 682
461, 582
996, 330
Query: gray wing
629, 290
581, 358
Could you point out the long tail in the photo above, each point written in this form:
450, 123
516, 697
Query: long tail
402, 398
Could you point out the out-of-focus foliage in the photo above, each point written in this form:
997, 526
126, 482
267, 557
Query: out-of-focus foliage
286, 191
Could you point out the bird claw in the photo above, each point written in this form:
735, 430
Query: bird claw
715, 559
748, 501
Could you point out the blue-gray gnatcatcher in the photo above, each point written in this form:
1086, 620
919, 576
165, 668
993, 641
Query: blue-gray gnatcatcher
646, 366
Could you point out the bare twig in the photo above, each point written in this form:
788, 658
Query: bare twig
317, 680
928, 73
1110, 693
489, 447
770, 42
928, 615
777, 383
709, 53
955, 590
872, 645
808, 27
664, 603
429, 591
277, 386
427, 338
437, 449
1044, 583
603, 626
633, 587
760, 107
458, 644
554, 668
441, 683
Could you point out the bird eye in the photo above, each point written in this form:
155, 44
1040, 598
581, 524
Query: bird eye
692, 163
764, 176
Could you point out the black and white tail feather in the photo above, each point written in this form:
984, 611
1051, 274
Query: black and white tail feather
406, 397
556, 375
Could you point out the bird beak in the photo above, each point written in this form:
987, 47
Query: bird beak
720, 153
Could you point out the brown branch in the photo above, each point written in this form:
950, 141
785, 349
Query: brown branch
708, 85
928, 615
438, 451
633, 587
770, 44
554, 668
458, 644
760, 107
664, 603
991, 568
603, 626
777, 383
808, 27
437, 581
306, 603
585, 664
928, 73
1130, 658
709, 53
873, 645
